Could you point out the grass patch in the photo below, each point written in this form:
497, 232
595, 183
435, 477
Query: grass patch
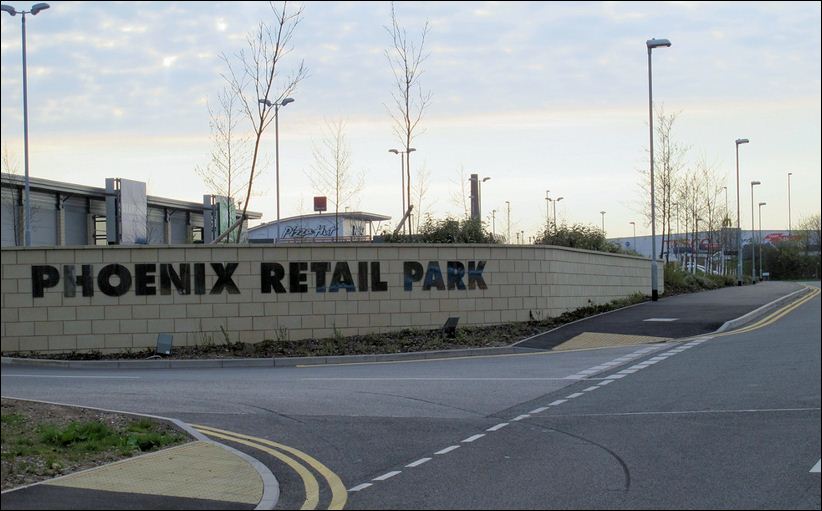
41, 441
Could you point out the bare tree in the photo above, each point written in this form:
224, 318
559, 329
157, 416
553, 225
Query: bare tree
258, 83
459, 197
332, 174
812, 234
226, 172
405, 57
420, 194
668, 164
11, 167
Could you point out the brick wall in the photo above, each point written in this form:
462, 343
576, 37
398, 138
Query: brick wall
501, 284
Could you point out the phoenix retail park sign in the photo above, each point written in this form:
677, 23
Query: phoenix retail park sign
292, 277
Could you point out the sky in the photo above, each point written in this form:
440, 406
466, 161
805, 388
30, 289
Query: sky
535, 95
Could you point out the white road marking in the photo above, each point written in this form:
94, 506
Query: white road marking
472, 438
574, 395
628, 371
361, 487
448, 449
418, 463
66, 376
557, 402
519, 418
615, 376
661, 319
497, 427
386, 476
538, 410
606, 382
816, 467
589, 389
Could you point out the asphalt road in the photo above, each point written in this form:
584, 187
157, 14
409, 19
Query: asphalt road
730, 422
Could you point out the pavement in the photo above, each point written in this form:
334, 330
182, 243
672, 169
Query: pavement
204, 474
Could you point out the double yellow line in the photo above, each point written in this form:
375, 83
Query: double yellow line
339, 495
775, 316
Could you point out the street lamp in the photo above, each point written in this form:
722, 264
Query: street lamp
35, 9
555, 211
277, 106
547, 210
651, 44
738, 226
696, 246
634, 224
402, 174
789, 204
508, 239
760, 239
603, 222
753, 226
493, 224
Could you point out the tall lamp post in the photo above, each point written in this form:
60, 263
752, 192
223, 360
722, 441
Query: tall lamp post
547, 211
402, 174
753, 226
509, 222
634, 224
651, 44
277, 106
603, 222
35, 9
493, 224
789, 204
760, 239
555, 212
738, 226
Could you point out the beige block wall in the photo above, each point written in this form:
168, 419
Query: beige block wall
543, 281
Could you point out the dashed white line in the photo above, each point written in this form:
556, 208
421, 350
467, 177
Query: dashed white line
387, 476
497, 427
538, 410
605, 382
574, 395
589, 389
628, 371
519, 418
557, 402
418, 463
361, 487
615, 376
448, 449
472, 438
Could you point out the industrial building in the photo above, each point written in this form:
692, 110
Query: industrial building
65, 214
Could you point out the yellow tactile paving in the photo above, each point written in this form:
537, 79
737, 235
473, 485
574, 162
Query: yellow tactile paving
599, 340
198, 470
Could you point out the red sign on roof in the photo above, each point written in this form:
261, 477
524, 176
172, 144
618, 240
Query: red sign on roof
320, 204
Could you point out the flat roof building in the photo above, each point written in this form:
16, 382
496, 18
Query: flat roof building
121, 213
318, 227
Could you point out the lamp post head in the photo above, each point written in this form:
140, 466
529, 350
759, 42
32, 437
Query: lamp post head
560, 198
755, 183
790, 173
395, 151
656, 43
411, 149
286, 101
632, 223
601, 212
485, 179
742, 141
266, 102
36, 8
762, 204
9, 9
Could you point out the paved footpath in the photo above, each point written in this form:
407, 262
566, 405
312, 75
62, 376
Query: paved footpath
673, 317
204, 475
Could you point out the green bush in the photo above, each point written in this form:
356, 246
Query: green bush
577, 236
448, 230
